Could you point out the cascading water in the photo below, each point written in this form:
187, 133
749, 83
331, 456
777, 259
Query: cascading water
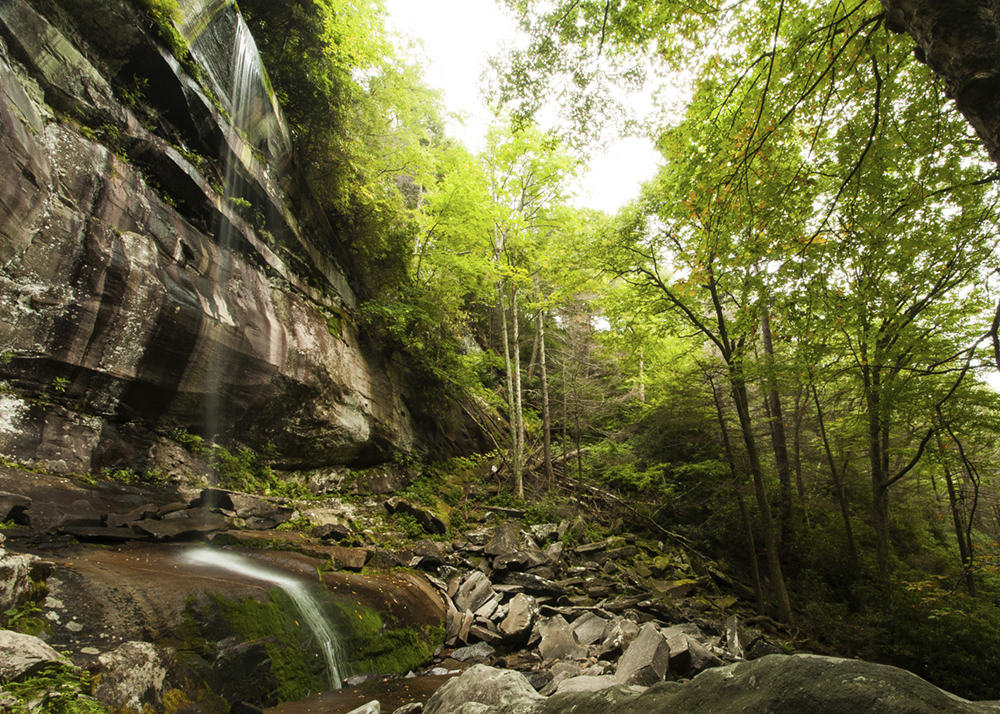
307, 605
247, 89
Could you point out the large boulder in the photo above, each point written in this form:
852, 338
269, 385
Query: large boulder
23, 656
133, 676
15, 578
493, 689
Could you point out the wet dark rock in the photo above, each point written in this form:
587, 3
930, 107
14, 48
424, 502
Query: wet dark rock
117, 520
181, 527
51, 516
241, 671
104, 534
13, 507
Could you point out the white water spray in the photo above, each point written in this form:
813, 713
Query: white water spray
307, 605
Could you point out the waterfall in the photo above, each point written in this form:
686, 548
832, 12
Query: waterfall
307, 605
247, 90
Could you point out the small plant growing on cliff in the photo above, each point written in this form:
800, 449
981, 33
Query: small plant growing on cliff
246, 470
60, 384
22, 618
192, 442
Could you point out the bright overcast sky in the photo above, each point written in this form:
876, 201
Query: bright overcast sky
458, 35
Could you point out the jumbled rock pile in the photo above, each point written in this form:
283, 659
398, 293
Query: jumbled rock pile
614, 612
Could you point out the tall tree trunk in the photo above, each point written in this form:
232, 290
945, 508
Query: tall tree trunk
777, 428
513, 398
546, 420
518, 405
956, 517
742, 402
845, 512
744, 513
642, 376
801, 400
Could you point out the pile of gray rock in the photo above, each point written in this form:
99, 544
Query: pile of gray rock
613, 612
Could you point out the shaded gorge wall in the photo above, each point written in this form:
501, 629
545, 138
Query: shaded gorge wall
123, 316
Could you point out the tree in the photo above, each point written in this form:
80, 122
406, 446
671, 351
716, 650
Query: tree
528, 173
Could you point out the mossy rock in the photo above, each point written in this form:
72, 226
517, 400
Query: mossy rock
268, 644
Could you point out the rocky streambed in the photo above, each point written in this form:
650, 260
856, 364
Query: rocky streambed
528, 616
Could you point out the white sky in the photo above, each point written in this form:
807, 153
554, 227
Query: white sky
458, 36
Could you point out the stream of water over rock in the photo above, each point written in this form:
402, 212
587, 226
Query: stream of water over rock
308, 606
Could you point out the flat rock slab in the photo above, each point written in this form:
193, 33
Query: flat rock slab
473, 592
534, 584
342, 558
178, 527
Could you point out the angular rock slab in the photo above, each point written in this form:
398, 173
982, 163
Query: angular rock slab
647, 659
590, 628
474, 592
521, 614
504, 540
558, 641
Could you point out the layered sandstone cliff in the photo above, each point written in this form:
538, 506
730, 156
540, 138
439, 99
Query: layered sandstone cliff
163, 269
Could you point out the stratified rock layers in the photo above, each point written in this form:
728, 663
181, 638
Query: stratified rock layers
133, 292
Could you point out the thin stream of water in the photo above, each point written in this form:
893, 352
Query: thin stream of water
307, 605
245, 91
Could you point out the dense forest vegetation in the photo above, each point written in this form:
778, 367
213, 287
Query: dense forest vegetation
779, 351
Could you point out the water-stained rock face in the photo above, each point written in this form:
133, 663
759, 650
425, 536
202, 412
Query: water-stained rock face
133, 296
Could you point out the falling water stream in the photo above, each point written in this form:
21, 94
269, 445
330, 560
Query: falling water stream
307, 605
246, 91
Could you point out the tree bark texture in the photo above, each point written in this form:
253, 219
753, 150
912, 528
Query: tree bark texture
960, 41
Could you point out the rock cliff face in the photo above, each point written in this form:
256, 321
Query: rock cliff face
161, 268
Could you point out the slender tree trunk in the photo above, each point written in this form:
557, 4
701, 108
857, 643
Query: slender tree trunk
565, 423
744, 513
845, 512
779, 442
513, 401
961, 532
642, 376
742, 402
546, 420
801, 399
518, 405
878, 458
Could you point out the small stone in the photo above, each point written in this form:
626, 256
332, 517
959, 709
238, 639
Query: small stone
480, 650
